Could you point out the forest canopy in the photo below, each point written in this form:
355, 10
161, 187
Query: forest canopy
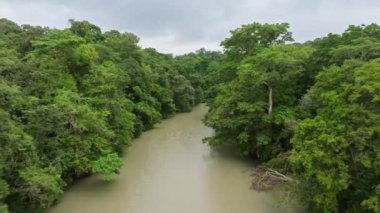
72, 99
310, 110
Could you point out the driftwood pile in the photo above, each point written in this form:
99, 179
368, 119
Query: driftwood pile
266, 178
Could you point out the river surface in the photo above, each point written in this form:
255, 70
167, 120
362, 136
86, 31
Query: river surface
169, 170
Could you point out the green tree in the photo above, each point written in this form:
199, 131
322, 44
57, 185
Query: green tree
103, 89
249, 40
108, 165
40, 187
336, 152
255, 111
86, 30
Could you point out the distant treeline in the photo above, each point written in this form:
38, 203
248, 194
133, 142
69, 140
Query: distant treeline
72, 99
311, 109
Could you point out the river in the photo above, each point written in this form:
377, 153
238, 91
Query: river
169, 170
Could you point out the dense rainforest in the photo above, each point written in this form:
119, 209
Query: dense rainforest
312, 110
71, 100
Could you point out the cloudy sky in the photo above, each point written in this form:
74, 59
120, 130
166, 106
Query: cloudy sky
179, 26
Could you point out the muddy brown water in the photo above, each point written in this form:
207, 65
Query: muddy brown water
169, 170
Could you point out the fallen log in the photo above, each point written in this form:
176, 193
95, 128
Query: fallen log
267, 178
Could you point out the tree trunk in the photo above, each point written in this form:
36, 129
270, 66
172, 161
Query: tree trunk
270, 100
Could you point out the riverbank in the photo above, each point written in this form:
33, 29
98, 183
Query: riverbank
169, 169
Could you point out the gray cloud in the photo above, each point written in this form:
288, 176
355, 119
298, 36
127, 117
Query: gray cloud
180, 26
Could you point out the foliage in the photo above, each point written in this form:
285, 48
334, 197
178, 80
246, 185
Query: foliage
240, 115
336, 153
71, 100
108, 165
41, 187
315, 103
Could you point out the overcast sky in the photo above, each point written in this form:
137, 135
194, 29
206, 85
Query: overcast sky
180, 26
